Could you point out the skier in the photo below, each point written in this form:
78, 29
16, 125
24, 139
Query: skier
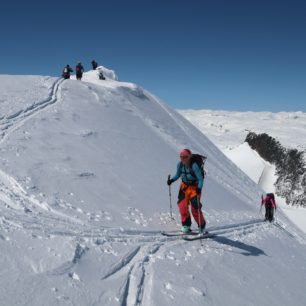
79, 71
190, 191
270, 205
66, 72
94, 64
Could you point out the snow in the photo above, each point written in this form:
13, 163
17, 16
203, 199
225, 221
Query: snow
19, 93
296, 214
266, 180
248, 161
83, 199
229, 129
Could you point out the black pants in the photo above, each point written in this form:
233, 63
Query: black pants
269, 213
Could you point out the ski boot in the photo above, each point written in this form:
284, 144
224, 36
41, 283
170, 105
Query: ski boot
185, 229
202, 230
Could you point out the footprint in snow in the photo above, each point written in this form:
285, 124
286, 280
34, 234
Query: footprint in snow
101, 215
168, 288
86, 175
74, 276
170, 255
198, 291
187, 256
88, 133
165, 218
137, 217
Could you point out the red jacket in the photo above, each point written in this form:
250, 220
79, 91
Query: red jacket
268, 199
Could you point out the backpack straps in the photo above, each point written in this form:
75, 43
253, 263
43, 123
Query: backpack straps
190, 170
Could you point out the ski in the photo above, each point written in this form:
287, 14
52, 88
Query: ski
199, 236
179, 234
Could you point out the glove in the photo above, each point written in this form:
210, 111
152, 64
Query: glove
199, 191
169, 181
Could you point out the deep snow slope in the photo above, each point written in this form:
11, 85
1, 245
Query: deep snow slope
83, 199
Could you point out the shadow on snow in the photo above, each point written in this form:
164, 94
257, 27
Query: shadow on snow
247, 250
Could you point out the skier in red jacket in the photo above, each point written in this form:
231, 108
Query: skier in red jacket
270, 205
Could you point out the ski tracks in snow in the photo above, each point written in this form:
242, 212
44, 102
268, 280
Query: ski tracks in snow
134, 267
22, 209
11, 192
15, 121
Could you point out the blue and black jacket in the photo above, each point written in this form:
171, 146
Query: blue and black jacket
189, 176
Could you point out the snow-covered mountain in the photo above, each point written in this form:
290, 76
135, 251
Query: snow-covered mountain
83, 199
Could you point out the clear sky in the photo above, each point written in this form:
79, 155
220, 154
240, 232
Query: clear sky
218, 54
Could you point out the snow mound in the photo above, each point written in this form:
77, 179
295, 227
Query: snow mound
94, 74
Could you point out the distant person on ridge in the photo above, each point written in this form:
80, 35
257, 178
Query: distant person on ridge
270, 205
94, 65
190, 190
66, 72
101, 76
79, 69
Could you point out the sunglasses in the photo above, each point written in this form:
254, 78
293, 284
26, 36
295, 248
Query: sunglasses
184, 157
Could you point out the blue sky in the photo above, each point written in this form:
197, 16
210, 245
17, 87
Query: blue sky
218, 54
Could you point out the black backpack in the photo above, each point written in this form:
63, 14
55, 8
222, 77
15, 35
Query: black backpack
200, 161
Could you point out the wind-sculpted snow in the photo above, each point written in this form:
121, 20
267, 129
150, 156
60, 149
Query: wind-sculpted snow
83, 201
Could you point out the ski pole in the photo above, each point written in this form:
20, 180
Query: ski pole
275, 214
261, 205
170, 198
199, 213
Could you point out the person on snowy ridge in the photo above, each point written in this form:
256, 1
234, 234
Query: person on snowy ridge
66, 72
94, 65
270, 205
79, 71
190, 191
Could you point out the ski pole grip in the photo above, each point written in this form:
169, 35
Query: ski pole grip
169, 176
